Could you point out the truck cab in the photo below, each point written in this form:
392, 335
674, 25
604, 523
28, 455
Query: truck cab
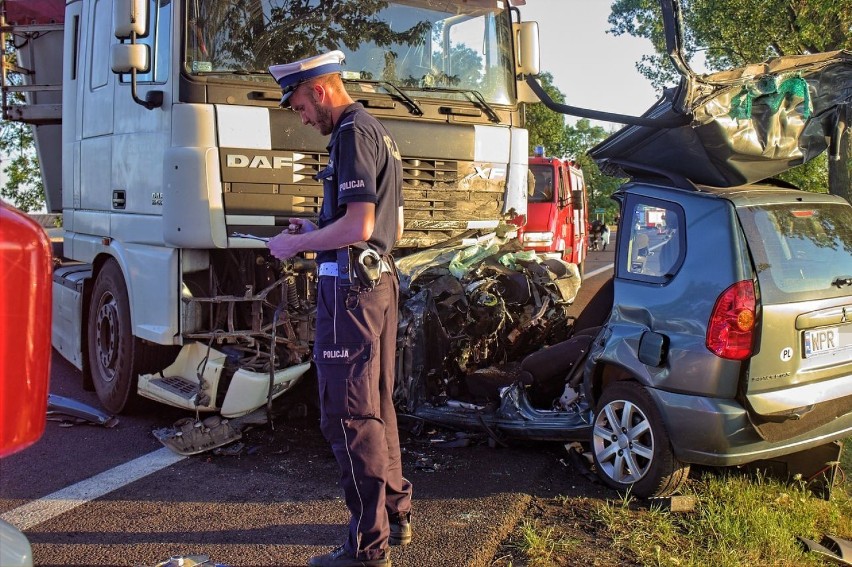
162, 143
556, 221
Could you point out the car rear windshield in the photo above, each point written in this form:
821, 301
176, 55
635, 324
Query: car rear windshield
801, 251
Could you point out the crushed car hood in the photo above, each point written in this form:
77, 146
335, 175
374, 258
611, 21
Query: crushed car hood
467, 307
746, 124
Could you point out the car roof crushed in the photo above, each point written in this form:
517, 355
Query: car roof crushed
747, 124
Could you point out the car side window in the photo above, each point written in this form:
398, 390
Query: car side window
655, 240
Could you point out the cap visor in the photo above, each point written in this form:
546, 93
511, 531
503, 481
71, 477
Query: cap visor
285, 99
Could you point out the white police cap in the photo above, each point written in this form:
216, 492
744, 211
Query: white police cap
290, 75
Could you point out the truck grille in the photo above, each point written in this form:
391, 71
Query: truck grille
441, 196
428, 172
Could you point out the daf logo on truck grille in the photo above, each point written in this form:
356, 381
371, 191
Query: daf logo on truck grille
257, 161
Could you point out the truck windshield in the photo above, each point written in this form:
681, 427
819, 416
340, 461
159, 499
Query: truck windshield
441, 49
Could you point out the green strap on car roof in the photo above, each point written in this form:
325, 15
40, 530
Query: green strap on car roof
771, 93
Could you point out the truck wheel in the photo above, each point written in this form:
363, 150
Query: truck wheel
631, 447
111, 341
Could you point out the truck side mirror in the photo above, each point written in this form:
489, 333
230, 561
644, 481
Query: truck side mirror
527, 55
129, 17
527, 58
134, 58
130, 21
577, 197
127, 57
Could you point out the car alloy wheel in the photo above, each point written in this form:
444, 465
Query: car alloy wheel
630, 444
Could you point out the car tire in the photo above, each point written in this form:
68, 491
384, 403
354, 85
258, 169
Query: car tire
631, 446
112, 349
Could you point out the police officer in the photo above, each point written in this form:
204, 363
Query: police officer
357, 303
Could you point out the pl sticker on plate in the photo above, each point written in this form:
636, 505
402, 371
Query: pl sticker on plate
786, 354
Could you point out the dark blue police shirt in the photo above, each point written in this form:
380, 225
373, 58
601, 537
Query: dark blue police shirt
364, 166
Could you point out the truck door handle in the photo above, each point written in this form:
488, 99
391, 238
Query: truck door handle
119, 199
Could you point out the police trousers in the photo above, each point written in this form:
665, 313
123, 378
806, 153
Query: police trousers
355, 356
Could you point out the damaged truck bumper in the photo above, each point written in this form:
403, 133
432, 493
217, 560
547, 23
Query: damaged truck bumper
199, 373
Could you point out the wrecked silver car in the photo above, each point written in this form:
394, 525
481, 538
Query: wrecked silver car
725, 334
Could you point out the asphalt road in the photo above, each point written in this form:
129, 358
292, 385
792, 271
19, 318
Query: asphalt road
88, 495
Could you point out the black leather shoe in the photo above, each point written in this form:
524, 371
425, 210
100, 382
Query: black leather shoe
400, 529
340, 558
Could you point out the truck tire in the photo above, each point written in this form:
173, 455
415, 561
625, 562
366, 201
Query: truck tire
112, 348
630, 445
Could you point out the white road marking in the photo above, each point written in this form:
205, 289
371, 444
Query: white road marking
598, 271
48, 507
68, 498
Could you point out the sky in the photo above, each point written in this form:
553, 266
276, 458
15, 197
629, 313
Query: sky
592, 68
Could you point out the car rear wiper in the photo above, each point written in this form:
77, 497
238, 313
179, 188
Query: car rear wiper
412, 104
489, 110
841, 281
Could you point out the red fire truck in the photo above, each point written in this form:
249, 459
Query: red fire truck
556, 221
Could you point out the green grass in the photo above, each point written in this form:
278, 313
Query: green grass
541, 544
846, 459
739, 519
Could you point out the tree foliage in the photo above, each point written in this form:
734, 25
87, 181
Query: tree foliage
732, 33
247, 37
24, 187
547, 128
581, 138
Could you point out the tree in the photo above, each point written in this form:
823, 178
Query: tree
580, 139
547, 128
24, 187
241, 33
732, 33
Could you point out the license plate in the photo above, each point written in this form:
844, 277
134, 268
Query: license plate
822, 341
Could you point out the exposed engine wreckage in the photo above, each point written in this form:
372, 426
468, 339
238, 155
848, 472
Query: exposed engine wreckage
463, 309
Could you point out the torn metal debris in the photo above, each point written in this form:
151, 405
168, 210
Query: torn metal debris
59, 407
467, 310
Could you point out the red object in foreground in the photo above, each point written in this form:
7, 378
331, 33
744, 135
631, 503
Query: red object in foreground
25, 313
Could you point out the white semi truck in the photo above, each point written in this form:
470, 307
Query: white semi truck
161, 140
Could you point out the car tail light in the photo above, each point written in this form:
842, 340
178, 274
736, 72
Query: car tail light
730, 333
